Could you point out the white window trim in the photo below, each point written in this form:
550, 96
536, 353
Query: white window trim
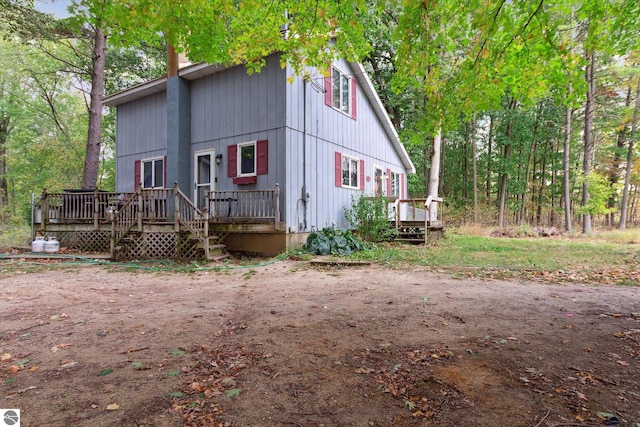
153, 171
398, 181
343, 75
357, 187
239, 159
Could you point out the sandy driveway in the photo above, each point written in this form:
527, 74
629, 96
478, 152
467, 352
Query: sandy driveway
292, 344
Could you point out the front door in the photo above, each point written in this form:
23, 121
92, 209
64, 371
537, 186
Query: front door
377, 180
204, 175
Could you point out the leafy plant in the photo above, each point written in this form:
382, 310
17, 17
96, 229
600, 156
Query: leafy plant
369, 217
334, 241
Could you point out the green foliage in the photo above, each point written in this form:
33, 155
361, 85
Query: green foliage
369, 217
334, 241
600, 190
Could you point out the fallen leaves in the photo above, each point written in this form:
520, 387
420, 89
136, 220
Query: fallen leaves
213, 377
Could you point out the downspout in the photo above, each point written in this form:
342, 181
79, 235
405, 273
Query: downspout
304, 154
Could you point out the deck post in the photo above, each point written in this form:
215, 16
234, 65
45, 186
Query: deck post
44, 211
176, 207
205, 215
96, 211
277, 214
140, 208
112, 238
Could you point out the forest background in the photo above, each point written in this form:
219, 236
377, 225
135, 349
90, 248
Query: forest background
515, 112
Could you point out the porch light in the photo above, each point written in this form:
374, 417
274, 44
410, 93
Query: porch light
218, 159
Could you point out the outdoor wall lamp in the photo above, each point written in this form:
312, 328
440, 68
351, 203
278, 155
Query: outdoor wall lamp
218, 159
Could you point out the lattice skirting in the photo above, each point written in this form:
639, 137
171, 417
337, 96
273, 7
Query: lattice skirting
85, 241
160, 246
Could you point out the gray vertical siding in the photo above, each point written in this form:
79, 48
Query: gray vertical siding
329, 131
141, 133
231, 107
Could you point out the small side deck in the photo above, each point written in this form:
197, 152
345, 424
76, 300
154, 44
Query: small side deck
155, 223
416, 220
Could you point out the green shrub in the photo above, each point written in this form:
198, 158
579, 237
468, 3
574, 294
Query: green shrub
334, 241
369, 217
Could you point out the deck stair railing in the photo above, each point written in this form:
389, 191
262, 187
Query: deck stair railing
414, 218
124, 218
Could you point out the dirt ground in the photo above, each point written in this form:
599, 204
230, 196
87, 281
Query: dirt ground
293, 344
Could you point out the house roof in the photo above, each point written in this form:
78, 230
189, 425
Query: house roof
194, 72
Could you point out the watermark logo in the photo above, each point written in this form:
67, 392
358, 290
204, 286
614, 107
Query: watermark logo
10, 418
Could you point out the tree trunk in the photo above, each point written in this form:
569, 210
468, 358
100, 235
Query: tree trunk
474, 166
6, 125
92, 158
566, 183
532, 150
614, 173
489, 148
434, 174
465, 168
505, 175
543, 173
589, 112
627, 174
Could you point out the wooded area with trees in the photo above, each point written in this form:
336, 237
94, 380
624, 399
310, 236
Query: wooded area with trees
516, 112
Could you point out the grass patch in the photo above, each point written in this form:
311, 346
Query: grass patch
474, 254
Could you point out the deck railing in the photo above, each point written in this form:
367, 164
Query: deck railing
417, 210
245, 206
158, 205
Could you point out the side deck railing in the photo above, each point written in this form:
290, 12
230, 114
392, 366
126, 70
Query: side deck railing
427, 210
245, 206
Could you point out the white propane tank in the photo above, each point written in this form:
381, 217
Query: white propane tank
38, 244
51, 245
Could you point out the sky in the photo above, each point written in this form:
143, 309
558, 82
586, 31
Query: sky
56, 7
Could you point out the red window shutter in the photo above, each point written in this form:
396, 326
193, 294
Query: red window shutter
338, 169
327, 88
164, 166
388, 182
353, 103
136, 175
262, 148
361, 174
402, 192
232, 161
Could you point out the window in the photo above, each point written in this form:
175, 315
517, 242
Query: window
247, 160
394, 185
340, 92
150, 172
349, 172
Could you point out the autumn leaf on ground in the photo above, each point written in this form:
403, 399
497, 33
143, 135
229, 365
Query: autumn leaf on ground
5, 357
113, 407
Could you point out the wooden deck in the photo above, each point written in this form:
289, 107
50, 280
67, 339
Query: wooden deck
416, 220
155, 223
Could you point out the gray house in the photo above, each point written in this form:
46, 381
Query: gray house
269, 157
